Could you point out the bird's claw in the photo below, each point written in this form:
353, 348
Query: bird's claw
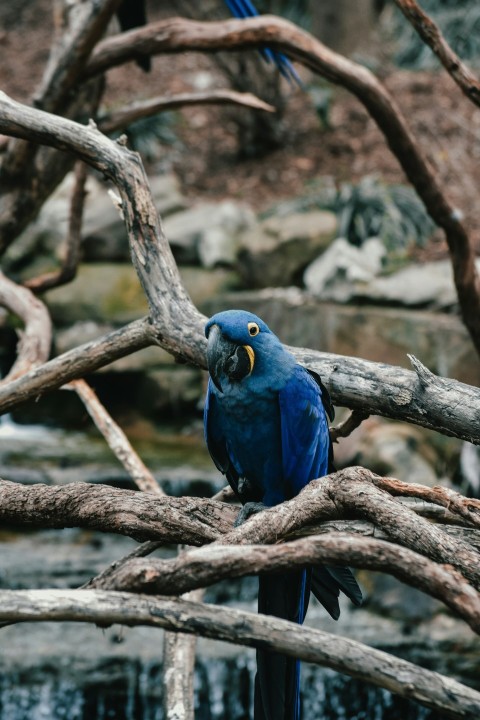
250, 508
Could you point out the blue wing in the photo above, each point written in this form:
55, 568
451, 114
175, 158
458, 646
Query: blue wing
306, 448
245, 9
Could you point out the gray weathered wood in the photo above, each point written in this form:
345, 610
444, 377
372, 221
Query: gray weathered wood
347, 656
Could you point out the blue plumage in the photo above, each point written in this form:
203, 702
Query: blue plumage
245, 9
266, 429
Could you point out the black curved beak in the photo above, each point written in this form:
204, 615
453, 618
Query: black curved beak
217, 354
225, 358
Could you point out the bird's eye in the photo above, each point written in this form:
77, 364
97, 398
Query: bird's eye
253, 329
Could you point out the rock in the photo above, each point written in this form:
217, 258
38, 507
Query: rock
208, 232
345, 273
332, 275
277, 250
100, 292
109, 294
429, 284
398, 450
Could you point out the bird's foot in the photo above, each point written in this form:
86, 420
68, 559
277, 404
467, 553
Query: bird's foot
250, 508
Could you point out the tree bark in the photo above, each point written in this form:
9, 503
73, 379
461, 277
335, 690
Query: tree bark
347, 656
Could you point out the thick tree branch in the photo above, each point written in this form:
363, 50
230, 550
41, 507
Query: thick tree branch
178, 35
175, 319
207, 565
432, 36
234, 626
467, 509
66, 63
350, 493
120, 119
76, 363
140, 515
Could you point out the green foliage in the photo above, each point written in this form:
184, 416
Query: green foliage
459, 22
321, 97
146, 135
370, 208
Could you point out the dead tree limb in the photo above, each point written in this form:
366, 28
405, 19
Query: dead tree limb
116, 438
70, 262
351, 423
140, 515
432, 36
179, 35
76, 363
33, 347
119, 119
207, 565
444, 405
346, 656
350, 493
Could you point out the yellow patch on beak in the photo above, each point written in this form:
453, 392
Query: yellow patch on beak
251, 356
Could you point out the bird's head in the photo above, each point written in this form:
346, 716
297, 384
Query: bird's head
237, 342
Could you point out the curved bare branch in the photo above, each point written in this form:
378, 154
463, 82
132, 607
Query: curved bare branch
243, 628
178, 35
350, 493
207, 565
119, 119
35, 340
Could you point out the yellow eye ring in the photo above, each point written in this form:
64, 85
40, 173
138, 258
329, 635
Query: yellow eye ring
253, 329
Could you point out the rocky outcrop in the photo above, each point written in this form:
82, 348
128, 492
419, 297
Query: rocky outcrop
276, 251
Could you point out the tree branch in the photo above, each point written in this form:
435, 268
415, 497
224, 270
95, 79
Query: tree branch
346, 656
140, 515
33, 347
76, 363
119, 119
73, 241
179, 35
432, 36
116, 438
351, 423
350, 493
444, 405
207, 565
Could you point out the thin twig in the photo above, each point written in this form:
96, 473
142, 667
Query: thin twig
351, 423
70, 262
432, 36
119, 119
116, 439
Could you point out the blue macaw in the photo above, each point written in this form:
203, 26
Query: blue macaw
266, 429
